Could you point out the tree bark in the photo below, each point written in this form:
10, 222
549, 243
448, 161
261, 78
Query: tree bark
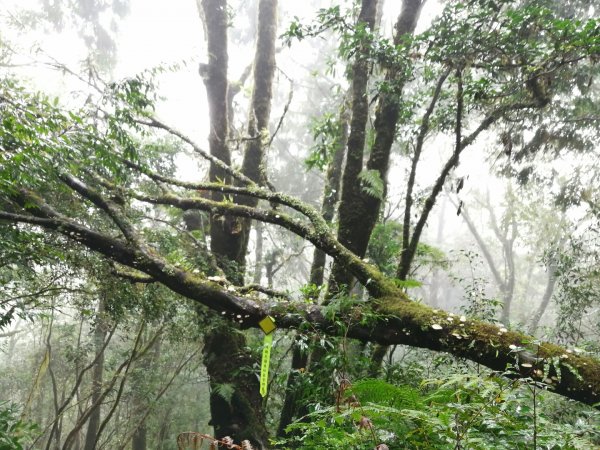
139, 438
254, 163
215, 79
358, 210
236, 407
242, 418
392, 318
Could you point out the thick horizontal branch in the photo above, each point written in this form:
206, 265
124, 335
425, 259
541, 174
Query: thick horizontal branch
390, 321
184, 283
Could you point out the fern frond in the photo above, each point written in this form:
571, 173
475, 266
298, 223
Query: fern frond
225, 391
382, 393
371, 183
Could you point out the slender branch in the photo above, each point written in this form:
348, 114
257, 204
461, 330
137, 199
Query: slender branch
11, 333
482, 246
106, 205
79, 378
149, 409
283, 114
156, 123
452, 162
423, 130
294, 225
134, 356
252, 190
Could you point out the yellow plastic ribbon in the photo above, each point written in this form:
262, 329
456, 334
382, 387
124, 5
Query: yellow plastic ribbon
268, 326
264, 365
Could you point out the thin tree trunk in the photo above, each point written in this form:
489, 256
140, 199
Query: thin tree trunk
291, 406
100, 332
435, 285
108, 388
506, 281
331, 194
139, 436
258, 226
550, 284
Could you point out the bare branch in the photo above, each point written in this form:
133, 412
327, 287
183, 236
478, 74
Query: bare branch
423, 130
156, 123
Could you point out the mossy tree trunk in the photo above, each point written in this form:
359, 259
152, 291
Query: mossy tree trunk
240, 416
235, 404
351, 209
359, 211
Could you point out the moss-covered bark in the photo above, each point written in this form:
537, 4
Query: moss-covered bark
229, 234
391, 319
214, 75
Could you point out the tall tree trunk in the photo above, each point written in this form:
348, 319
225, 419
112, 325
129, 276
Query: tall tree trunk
351, 195
351, 208
254, 163
359, 211
331, 194
215, 79
139, 438
507, 234
235, 403
240, 416
434, 289
141, 406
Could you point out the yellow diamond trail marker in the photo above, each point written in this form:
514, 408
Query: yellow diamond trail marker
268, 326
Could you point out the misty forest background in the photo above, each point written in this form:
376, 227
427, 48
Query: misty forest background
409, 188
